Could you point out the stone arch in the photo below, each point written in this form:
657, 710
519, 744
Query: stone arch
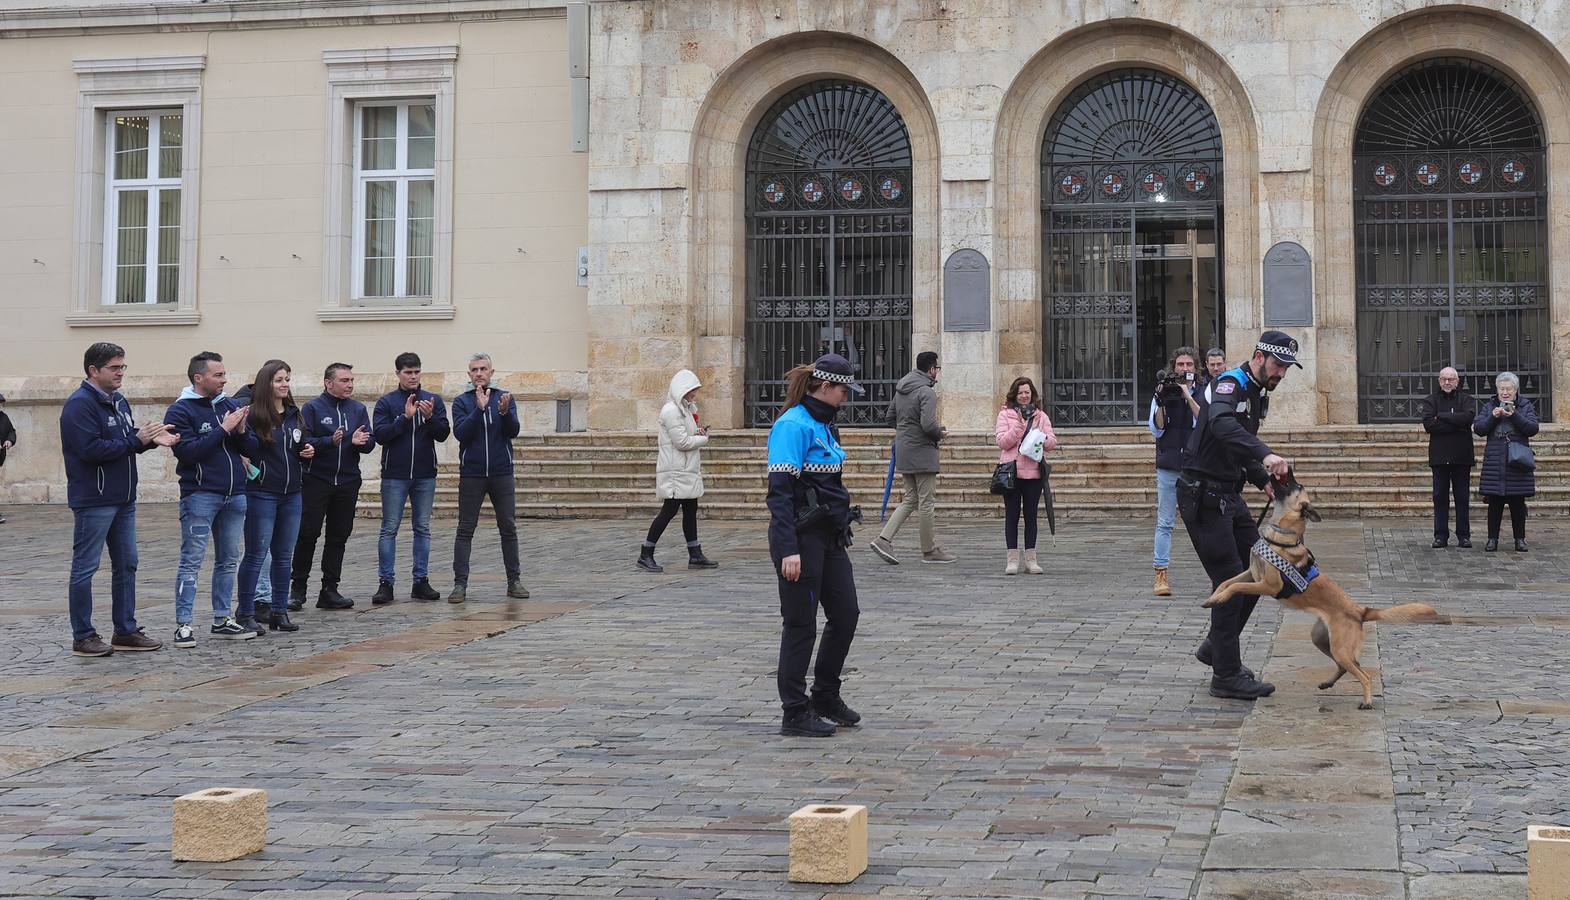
730, 112
1050, 76
1502, 42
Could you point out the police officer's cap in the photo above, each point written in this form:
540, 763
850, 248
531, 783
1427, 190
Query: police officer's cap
837, 369
1280, 345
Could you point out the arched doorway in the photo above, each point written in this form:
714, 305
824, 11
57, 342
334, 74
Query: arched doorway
1451, 238
828, 188
1131, 196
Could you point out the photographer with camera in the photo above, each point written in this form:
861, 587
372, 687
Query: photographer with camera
1174, 410
809, 530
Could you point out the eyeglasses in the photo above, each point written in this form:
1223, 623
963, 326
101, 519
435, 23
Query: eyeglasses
116, 369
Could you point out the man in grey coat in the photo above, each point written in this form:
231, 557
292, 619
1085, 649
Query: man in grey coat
914, 415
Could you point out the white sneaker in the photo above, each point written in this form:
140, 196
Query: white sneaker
184, 636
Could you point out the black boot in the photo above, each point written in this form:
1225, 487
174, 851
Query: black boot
279, 621
834, 709
1491, 546
264, 610
1203, 655
1520, 545
646, 560
251, 623
422, 590
383, 595
804, 722
1240, 687
696, 559
297, 596
329, 598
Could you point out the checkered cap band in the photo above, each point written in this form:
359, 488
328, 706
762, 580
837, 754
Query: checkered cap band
834, 377
1276, 350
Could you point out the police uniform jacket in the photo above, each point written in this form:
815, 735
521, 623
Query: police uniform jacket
804, 452
1223, 449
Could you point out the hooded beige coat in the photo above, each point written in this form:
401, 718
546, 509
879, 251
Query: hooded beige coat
679, 473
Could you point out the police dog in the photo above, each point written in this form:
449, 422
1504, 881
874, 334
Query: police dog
1339, 632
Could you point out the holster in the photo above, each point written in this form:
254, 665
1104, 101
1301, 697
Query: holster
1195, 496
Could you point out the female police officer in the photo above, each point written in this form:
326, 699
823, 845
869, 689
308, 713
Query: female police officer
809, 529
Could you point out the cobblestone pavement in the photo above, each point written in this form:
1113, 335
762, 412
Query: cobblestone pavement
615, 736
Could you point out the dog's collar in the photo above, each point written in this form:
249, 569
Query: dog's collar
1274, 527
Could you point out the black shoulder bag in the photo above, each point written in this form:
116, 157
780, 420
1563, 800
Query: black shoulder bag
1005, 478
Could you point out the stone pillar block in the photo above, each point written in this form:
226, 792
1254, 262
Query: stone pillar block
219, 824
828, 843
1547, 862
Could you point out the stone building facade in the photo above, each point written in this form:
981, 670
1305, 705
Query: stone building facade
1006, 115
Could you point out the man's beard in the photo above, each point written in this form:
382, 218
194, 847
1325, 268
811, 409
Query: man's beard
1272, 382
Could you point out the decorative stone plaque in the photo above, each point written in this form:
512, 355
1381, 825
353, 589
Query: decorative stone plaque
967, 292
1289, 286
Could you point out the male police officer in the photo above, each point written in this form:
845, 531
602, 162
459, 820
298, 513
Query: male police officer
1223, 452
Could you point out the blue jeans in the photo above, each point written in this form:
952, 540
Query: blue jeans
272, 523
1166, 515
421, 493
95, 527
204, 515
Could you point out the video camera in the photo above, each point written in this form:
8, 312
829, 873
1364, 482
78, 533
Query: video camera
1170, 381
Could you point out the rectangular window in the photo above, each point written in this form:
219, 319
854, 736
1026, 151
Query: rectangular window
142, 207
395, 198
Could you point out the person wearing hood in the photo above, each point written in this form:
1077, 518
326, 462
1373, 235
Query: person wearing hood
809, 530
276, 443
485, 419
211, 470
678, 475
913, 414
408, 423
332, 485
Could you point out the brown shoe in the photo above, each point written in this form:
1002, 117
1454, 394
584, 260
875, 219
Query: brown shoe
1162, 589
137, 640
92, 645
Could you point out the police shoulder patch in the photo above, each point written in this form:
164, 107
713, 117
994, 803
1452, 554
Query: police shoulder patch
1226, 386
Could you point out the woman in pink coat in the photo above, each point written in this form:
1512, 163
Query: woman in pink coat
1021, 412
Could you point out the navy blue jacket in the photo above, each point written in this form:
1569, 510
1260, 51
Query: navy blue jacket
409, 444
99, 442
208, 458
335, 463
279, 460
1223, 448
1496, 478
484, 435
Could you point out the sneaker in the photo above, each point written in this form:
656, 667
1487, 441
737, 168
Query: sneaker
230, 630
297, 596
938, 555
1203, 655
459, 593
1240, 687
516, 590
251, 624
136, 641
422, 590
329, 598
884, 550
805, 723
384, 594
92, 645
184, 637
835, 710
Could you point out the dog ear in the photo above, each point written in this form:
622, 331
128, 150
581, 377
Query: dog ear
1310, 513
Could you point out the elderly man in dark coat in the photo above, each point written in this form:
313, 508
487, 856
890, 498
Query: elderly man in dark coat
913, 413
1509, 421
1448, 414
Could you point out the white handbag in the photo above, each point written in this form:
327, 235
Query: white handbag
1034, 445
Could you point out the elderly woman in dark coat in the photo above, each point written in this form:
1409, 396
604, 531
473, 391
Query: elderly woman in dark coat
1506, 418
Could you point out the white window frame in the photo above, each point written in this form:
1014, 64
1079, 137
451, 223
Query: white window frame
144, 85
401, 175
154, 188
374, 76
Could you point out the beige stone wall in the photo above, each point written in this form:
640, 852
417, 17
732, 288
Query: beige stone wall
678, 85
520, 213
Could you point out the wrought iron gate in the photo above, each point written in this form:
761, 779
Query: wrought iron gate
1451, 239
828, 245
1129, 155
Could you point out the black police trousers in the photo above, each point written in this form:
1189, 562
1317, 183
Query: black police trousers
1223, 541
333, 504
826, 581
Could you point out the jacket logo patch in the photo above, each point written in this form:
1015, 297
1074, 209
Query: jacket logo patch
1226, 387
327, 420
297, 435
111, 422
206, 427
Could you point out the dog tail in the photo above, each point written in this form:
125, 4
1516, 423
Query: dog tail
1405, 612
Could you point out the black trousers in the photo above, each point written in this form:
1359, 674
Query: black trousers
1223, 540
689, 520
1496, 516
826, 581
1448, 481
1026, 500
333, 504
472, 491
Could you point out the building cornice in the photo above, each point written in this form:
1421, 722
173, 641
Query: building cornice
239, 15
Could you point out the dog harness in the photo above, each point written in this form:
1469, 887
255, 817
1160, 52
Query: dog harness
1293, 579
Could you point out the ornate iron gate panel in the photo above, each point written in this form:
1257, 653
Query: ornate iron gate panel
1450, 239
1126, 146
828, 245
